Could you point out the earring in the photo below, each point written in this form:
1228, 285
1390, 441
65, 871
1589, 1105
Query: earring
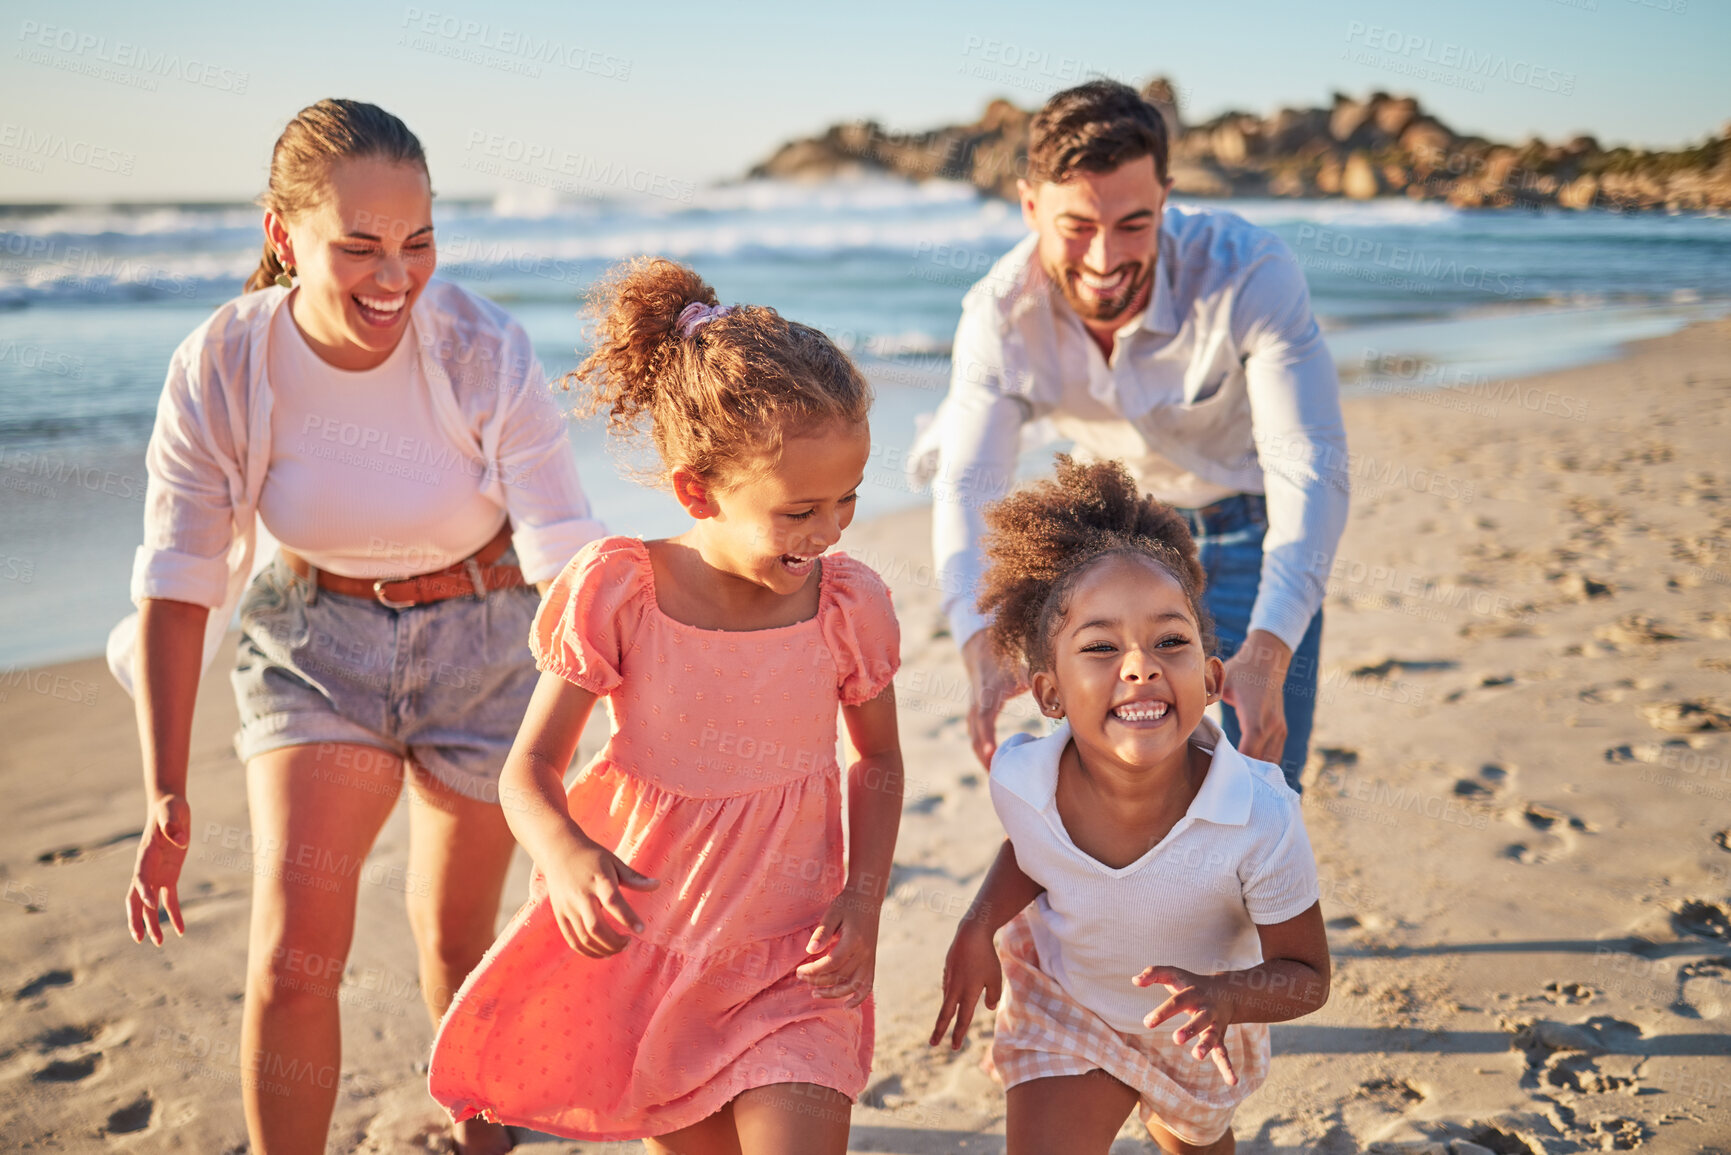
285, 279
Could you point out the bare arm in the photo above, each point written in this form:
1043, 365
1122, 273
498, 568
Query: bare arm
1292, 980
170, 654
847, 937
585, 880
971, 968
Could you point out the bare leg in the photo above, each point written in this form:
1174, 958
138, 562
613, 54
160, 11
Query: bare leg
459, 852
316, 811
716, 1135
792, 1119
1066, 1115
1225, 1145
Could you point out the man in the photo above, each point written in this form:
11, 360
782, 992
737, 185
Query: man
1181, 343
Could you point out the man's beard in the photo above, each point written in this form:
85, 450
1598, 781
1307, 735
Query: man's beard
1099, 310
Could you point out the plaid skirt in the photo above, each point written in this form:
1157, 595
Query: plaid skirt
1042, 1032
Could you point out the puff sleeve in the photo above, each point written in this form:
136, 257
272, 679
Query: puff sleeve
586, 627
860, 628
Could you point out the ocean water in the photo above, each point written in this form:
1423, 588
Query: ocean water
93, 299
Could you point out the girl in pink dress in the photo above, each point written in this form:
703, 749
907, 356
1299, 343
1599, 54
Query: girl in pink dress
694, 964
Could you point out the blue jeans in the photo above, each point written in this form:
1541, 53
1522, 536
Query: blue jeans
1229, 538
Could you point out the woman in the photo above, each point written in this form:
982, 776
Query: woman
394, 433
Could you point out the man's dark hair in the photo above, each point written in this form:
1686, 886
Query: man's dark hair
1094, 127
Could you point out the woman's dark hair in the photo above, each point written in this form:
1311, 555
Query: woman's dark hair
317, 137
719, 397
1043, 538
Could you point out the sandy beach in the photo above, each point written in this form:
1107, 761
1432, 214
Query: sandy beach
1519, 796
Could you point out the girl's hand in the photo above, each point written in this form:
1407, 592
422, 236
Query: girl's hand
156, 873
970, 970
585, 890
1210, 1008
846, 942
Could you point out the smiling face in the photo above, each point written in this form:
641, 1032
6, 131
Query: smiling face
361, 259
1099, 236
1127, 667
770, 526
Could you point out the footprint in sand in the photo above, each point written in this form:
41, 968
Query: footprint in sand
1487, 785
1542, 817
1394, 1094
1383, 667
1634, 630
1566, 1056
1703, 999
69, 1070
1568, 994
1703, 918
1554, 834
55, 1038
133, 1117
43, 981
1686, 717
1334, 757
1578, 587
84, 851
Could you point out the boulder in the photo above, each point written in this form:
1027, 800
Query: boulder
1393, 114
1347, 117
1360, 180
1358, 148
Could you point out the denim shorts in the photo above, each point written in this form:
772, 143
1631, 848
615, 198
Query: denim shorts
443, 685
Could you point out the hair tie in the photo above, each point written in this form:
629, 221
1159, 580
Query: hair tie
697, 314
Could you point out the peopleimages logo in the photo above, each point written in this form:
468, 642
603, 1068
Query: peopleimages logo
90, 47
1456, 58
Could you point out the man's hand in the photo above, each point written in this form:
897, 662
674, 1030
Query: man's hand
991, 681
1255, 687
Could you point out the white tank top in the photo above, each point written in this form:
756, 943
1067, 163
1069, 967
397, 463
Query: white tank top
363, 482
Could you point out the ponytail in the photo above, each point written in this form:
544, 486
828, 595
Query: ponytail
718, 393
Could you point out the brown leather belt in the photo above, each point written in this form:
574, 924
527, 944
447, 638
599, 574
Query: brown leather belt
475, 575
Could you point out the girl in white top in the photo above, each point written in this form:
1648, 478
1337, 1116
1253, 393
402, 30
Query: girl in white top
1152, 872
381, 425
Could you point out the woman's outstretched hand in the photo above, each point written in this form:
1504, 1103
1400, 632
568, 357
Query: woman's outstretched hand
1209, 1008
586, 889
970, 970
156, 873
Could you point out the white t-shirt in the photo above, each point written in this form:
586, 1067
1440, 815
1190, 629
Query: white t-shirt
1239, 857
363, 480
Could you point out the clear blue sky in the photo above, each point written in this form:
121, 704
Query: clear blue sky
696, 92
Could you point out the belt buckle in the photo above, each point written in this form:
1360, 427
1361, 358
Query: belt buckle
379, 593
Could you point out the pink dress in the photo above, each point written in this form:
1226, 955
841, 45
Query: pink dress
720, 779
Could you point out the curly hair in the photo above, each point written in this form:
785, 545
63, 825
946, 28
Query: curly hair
1043, 538
718, 398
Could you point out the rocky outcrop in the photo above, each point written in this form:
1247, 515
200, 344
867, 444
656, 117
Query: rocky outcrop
1382, 145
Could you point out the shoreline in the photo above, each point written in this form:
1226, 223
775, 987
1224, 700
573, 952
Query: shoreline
107, 483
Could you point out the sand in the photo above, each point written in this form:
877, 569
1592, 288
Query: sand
1518, 798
